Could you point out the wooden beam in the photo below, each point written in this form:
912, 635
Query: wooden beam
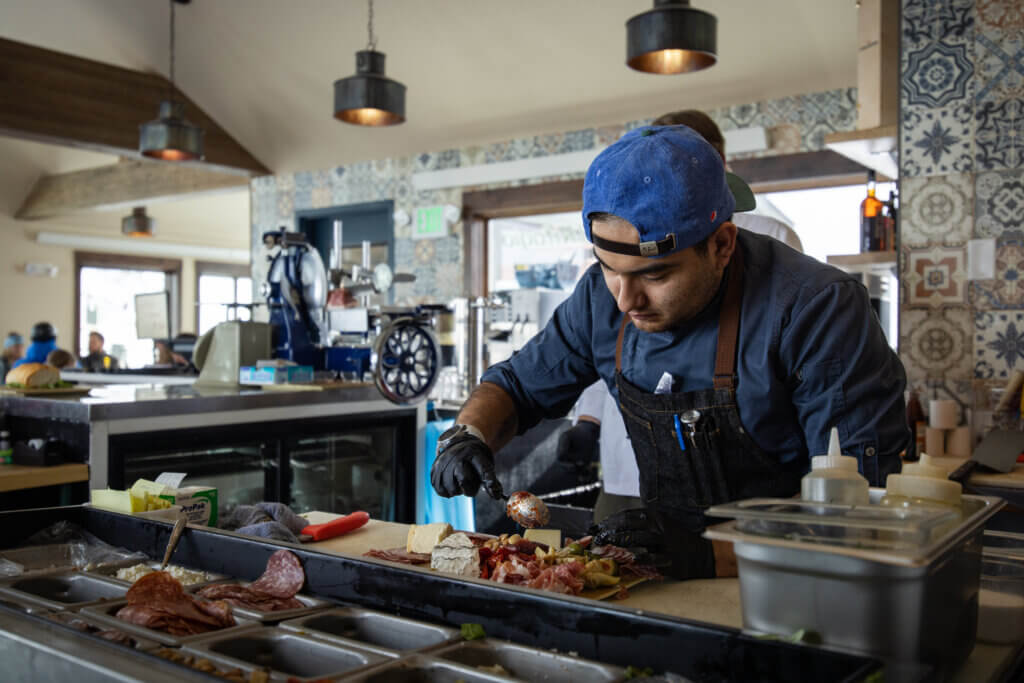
127, 183
53, 97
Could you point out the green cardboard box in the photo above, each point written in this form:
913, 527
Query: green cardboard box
199, 503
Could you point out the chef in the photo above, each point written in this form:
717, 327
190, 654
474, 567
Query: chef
730, 356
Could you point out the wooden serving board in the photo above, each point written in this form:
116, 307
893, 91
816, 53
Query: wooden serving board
380, 535
39, 391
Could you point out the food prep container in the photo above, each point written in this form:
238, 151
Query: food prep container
903, 595
12, 602
1001, 600
375, 631
69, 619
424, 669
287, 655
47, 558
106, 614
527, 663
110, 573
63, 591
310, 604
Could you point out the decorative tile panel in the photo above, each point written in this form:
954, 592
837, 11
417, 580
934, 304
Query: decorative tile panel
998, 343
937, 74
925, 21
999, 206
936, 343
999, 61
1007, 289
937, 210
999, 126
937, 141
935, 276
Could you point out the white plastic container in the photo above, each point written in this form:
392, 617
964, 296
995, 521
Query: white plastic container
834, 478
922, 483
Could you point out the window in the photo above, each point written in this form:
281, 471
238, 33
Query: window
547, 250
223, 292
106, 288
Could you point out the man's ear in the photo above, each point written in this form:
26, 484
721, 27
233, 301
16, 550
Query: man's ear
722, 244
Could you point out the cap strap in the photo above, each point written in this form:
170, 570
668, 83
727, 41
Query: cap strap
643, 249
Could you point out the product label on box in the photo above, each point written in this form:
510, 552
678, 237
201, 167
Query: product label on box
199, 503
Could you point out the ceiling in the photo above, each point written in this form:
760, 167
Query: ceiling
476, 70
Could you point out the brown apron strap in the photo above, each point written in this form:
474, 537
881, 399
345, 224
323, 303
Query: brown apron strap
728, 327
729, 324
618, 344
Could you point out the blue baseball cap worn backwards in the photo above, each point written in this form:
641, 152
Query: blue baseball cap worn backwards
665, 180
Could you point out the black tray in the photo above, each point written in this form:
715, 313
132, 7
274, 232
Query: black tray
698, 651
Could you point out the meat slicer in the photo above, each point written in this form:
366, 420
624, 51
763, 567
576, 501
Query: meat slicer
318, 321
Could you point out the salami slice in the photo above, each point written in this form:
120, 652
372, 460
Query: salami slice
282, 578
155, 587
399, 555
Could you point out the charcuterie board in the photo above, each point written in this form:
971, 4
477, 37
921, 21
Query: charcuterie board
44, 391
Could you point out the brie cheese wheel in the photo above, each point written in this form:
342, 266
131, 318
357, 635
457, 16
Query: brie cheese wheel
456, 555
423, 537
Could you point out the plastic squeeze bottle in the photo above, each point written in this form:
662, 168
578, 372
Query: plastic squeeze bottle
834, 477
922, 484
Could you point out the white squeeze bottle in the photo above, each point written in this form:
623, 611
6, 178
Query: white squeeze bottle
923, 483
834, 477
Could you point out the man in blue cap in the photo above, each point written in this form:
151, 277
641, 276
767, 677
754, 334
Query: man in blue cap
731, 356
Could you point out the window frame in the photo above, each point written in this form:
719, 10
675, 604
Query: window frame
90, 259
235, 270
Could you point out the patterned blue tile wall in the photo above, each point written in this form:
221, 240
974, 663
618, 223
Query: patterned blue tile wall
962, 178
794, 124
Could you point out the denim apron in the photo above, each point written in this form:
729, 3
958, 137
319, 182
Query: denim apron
687, 462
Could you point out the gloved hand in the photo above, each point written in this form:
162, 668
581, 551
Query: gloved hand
463, 466
677, 552
578, 444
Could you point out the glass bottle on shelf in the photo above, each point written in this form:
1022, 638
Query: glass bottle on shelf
871, 238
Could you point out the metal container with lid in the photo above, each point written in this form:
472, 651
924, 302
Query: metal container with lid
869, 578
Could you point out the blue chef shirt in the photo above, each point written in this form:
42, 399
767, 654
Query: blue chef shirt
811, 356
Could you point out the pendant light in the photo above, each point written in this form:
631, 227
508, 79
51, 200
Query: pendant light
672, 38
170, 136
138, 224
369, 98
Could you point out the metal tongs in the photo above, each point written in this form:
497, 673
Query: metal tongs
179, 526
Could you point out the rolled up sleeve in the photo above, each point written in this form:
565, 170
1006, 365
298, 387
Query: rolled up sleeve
547, 375
844, 374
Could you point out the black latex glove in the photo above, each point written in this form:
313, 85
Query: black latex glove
677, 552
578, 444
465, 465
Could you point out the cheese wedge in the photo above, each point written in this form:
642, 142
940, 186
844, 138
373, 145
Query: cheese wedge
456, 555
118, 501
423, 537
549, 537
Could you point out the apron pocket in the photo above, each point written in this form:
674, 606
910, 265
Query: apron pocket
641, 436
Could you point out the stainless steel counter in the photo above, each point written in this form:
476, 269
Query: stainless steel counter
127, 401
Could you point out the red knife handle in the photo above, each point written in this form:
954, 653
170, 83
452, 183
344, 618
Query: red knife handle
337, 527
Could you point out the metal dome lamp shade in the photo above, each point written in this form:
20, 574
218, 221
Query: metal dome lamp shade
369, 98
138, 224
672, 38
171, 137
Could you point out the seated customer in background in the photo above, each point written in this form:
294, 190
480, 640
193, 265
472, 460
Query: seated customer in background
61, 359
14, 349
44, 340
98, 360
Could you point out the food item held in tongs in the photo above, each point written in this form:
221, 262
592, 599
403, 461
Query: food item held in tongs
527, 510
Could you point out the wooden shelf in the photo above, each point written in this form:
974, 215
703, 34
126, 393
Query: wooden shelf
870, 258
875, 148
16, 477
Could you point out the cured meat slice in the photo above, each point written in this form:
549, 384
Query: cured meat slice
613, 552
399, 555
159, 601
561, 578
242, 596
282, 578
